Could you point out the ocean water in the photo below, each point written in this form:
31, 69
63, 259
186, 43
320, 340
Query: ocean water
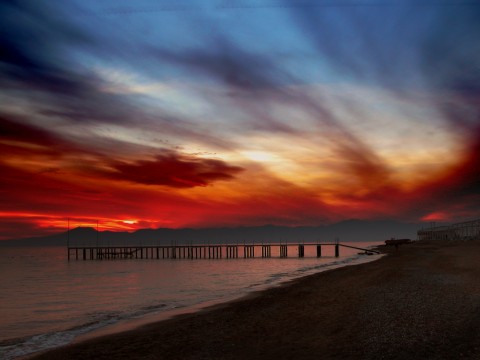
47, 301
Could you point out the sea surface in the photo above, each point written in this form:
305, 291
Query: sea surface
47, 301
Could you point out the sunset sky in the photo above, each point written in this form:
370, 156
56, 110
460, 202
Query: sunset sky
147, 114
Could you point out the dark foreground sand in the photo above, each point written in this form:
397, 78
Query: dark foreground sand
420, 302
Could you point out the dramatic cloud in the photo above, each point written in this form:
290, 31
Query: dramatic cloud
209, 113
173, 170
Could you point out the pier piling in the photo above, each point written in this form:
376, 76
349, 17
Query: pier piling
301, 251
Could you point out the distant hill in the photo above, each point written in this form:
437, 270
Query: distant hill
349, 230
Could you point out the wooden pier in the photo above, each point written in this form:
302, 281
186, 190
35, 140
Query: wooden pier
215, 251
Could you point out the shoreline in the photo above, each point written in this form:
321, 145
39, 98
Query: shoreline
419, 302
133, 324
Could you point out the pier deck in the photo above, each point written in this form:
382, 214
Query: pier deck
211, 251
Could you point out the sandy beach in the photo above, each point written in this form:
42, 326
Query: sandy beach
421, 301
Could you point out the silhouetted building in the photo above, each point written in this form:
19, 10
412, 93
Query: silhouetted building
469, 230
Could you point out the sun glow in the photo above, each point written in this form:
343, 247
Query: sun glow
130, 222
436, 216
261, 156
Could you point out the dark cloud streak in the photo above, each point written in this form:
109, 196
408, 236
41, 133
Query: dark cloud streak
174, 170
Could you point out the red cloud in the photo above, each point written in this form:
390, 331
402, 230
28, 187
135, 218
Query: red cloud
174, 170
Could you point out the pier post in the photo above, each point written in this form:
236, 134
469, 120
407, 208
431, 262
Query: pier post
337, 250
319, 251
301, 251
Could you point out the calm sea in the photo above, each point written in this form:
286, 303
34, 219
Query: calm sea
46, 301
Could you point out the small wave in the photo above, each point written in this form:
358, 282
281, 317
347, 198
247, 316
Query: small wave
42, 342
153, 307
13, 348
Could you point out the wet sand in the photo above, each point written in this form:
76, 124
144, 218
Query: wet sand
421, 301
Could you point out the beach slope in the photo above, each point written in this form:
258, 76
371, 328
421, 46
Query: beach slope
421, 301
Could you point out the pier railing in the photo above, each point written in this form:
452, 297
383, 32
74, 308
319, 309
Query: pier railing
210, 251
